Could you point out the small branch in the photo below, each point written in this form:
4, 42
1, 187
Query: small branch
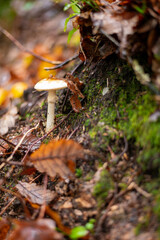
72, 133
20, 198
62, 64
23, 49
43, 207
18, 145
7, 206
112, 39
7, 141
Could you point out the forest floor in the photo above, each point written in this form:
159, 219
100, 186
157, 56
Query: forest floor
110, 195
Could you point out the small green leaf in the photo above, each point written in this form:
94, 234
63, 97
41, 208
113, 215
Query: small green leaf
67, 20
78, 232
89, 226
76, 9
67, 6
70, 34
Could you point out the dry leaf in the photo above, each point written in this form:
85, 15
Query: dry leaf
8, 120
3, 95
75, 102
73, 87
74, 80
4, 228
57, 157
42, 229
34, 193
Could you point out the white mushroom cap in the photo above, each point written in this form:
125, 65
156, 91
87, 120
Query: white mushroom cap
50, 84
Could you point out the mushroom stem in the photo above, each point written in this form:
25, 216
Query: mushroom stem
51, 108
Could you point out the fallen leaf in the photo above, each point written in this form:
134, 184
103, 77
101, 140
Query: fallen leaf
42, 229
57, 157
4, 228
74, 80
18, 89
8, 120
3, 95
75, 102
34, 193
73, 87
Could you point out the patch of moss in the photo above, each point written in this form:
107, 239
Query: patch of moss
102, 187
138, 126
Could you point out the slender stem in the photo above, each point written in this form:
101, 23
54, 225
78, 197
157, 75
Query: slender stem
51, 108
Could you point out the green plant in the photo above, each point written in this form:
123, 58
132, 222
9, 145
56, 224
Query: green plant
82, 231
79, 172
76, 6
76, 10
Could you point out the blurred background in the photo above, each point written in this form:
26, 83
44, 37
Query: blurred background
39, 26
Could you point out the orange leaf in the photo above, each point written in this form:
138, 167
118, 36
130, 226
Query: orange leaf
57, 157
4, 228
73, 87
74, 80
75, 102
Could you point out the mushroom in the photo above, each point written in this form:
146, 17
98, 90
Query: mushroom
50, 85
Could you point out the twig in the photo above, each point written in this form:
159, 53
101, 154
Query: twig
43, 137
23, 49
110, 38
7, 206
133, 185
19, 197
122, 153
72, 133
7, 141
12, 162
43, 207
62, 64
18, 145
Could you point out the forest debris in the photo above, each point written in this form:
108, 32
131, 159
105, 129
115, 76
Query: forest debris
58, 157
123, 24
34, 193
85, 201
8, 120
67, 204
41, 229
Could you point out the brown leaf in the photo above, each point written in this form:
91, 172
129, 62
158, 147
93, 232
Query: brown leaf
42, 229
35, 193
73, 87
57, 157
74, 80
75, 102
4, 228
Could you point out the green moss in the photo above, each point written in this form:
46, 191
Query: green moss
138, 126
130, 116
102, 187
